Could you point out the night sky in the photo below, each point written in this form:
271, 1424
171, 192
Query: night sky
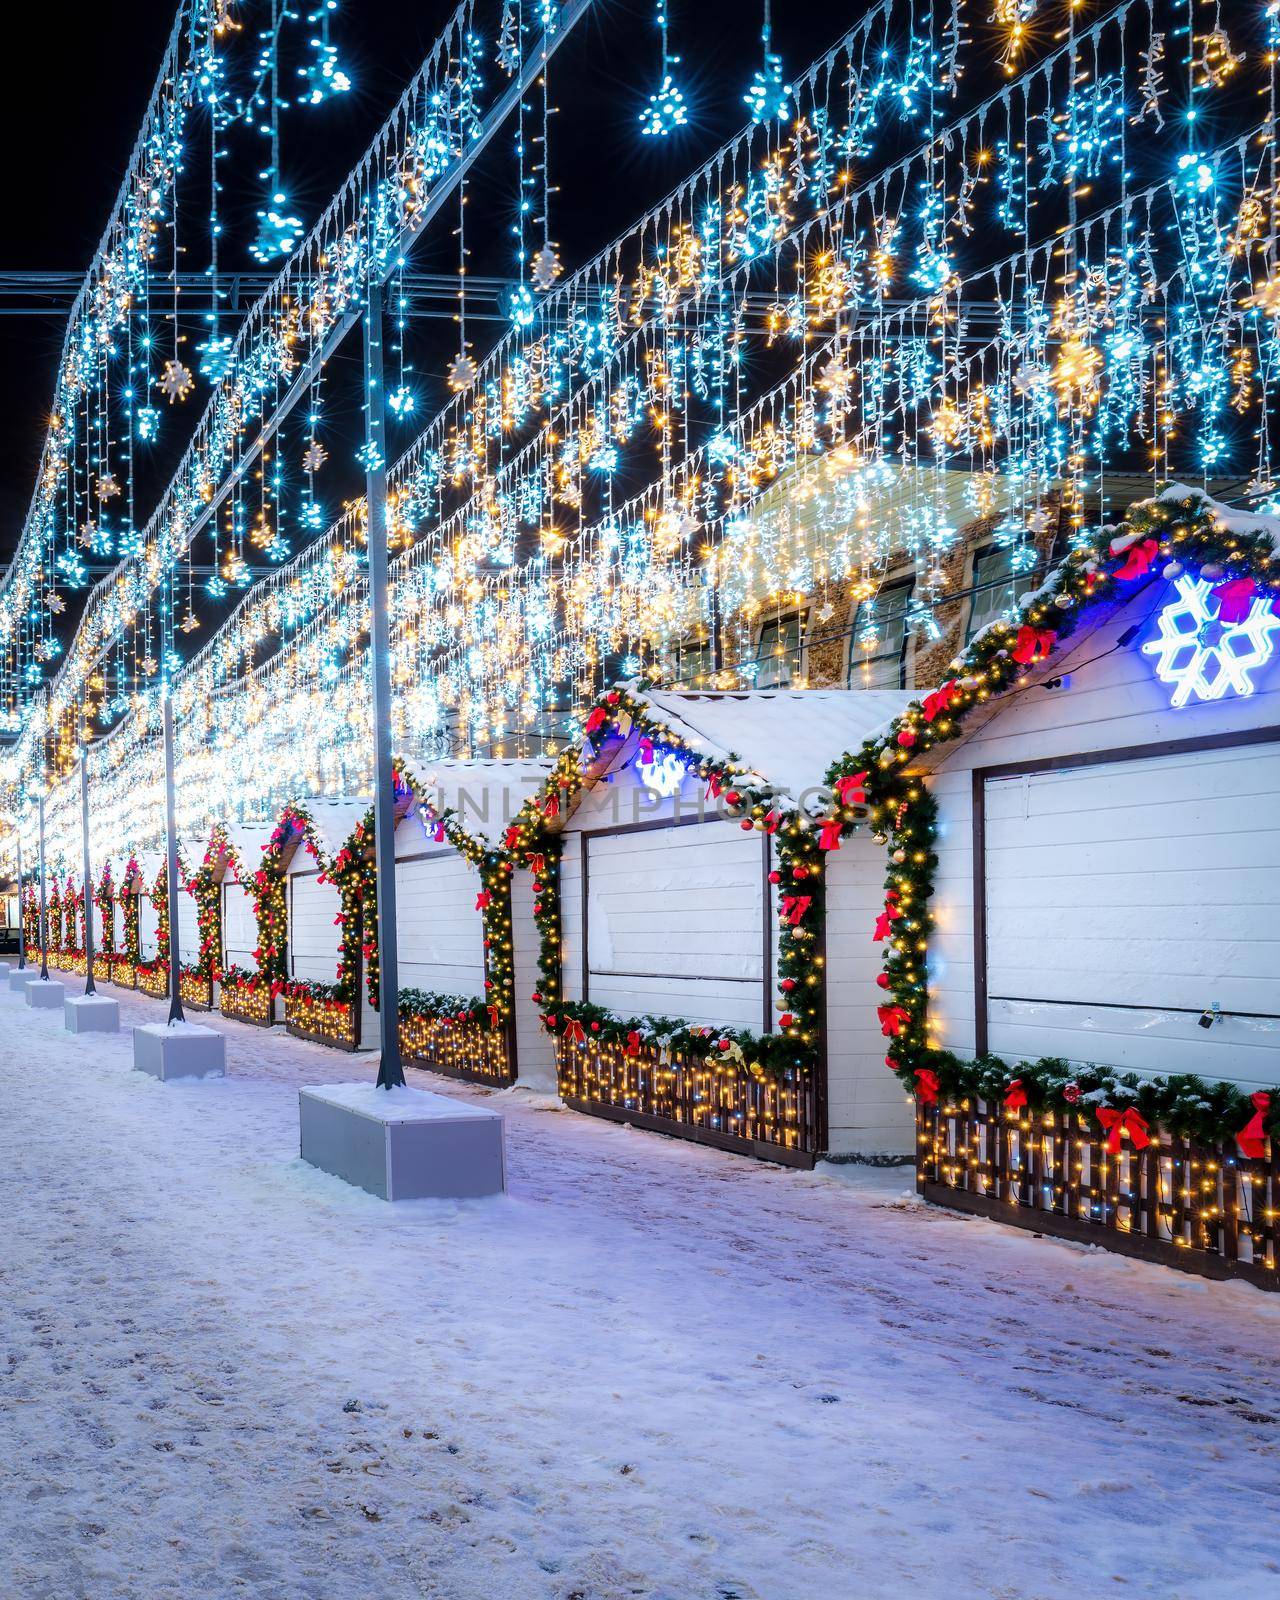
65, 164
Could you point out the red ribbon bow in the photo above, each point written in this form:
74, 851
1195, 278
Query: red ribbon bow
1015, 1096
892, 1020
1235, 599
596, 719
829, 838
573, 1031
940, 700
927, 1086
1032, 644
1137, 560
714, 786
1252, 1137
1120, 1122
794, 907
552, 807
537, 864
483, 900
885, 921
771, 822
493, 1018
512, 837
849, 790
633, 1042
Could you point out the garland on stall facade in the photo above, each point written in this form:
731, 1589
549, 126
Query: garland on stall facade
128, 898
104, 897
1180, 528
205, 888
743, 795
53, 917
270, 910
353, 871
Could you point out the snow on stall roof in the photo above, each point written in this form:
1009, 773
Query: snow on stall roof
788, 736
334, 821
247, 840
485, 795
1230, 518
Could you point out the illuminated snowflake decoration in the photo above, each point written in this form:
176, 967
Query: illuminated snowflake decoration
1202, 656
665, 112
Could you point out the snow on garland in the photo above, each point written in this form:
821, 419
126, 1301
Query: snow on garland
104, 897
533, 841
1179, 528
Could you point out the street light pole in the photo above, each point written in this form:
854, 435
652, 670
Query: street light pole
88, 878
22, 911
390, 1070
44, 919
171, 865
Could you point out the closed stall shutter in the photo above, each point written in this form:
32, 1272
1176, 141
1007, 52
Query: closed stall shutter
313, 935
441, 934
188, 928
1124, 900
239, 926
675, 923
148, 927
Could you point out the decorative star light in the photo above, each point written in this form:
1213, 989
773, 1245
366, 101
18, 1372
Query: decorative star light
108, 488
462, 372
54, 601
278, 231
545, 269
1202, 656
314, 457
176, 381
190, 622
665, 112
663, 776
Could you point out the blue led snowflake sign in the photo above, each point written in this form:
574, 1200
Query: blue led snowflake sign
1202, 656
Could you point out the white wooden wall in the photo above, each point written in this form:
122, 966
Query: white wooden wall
1164, 896
239, 926
313, 937
441, 934
535, 1048
188, 928
868, 1111
148, 928
675, 914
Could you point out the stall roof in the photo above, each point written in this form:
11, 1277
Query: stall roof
790, 737
334, 821
485, 795
247, 840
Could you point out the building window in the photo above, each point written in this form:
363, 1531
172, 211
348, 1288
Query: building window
694, 662
779, 652
996, 586
878, 654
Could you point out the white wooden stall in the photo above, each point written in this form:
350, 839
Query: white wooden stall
190, 857
1109, 880
312, 906
149, 865
441, 931
239, 920
667, 907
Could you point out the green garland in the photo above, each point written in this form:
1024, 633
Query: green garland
1158, 537
493, 900
129, 904
533, 841
104, 897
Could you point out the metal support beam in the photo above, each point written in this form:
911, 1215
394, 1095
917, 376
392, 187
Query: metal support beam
44, 914
390, 1071
22, 913
171, 865
88, 875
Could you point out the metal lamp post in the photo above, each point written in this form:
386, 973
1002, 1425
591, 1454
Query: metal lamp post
44, 920
390, 1070
171, 865
88, 878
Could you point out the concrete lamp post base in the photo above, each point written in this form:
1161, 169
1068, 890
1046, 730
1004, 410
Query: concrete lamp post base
91, 1013
20, 977
46, 994
402, 1144
173, 1051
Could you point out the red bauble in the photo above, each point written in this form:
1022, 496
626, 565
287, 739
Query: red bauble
775, 876
907, 738
800, 874
746, 825
882, 978
787, 985
786, 1019
732, 798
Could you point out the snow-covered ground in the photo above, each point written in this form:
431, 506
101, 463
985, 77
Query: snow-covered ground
651, 1371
